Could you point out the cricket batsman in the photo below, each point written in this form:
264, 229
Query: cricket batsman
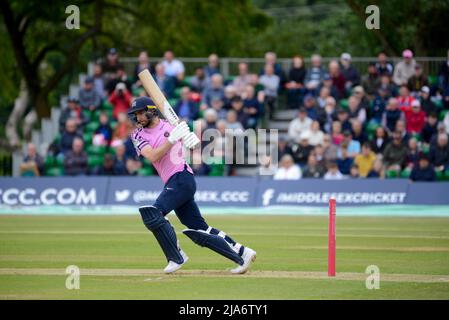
161, 143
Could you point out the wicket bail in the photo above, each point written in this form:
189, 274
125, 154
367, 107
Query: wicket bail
332, 240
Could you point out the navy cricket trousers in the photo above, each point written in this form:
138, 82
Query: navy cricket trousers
178, 195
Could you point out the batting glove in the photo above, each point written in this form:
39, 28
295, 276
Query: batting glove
180, 131
191, 140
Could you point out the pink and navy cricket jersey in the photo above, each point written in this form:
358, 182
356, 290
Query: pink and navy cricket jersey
173, 161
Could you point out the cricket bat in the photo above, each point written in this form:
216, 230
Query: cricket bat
162, 103
158, 97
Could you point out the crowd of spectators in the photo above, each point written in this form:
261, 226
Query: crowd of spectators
389, 121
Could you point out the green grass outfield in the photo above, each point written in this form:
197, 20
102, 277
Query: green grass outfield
119, 259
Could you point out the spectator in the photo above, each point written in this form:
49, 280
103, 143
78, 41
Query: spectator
99, 81
401, 128
427, 104
270, 59
365, 160
242, 80
391, 115
412, 153
328, 83
75, 160
299, 124
185, 108
120, 160
313, 169
120, 99
217, 105
423, 170
283, 147
387, 85
332, 172
295, 84
288, 170
253, 106
329, 150
439, 154
440, 130
73, 111
315, 134
371, 81
267, 168
417, 81
415, 118
446, 122
378, 106
112, 63
323, 95
33, 163
355, 111
271, 83
166, 83
358, 133
233, 122
353, 145
173, 67
443, 74
143, 63
311, 107
229, 93
107, 168
68, 136
380, 140
405, 99
103, 134
237, 106
122, 129
337, 133
359, 92
383, 66
430, 127
395, 153
119, 77
404, 69
314, 75
349, 73
302, 149
199, 81
344, 161
88, 96
338, 80
343, 117
213, 66
328, 115
378, 170
214, 90
354, 172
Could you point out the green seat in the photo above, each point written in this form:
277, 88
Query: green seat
94, 161
344, 104
50, 162
57, 139
446, 175
440, 175
443, 114
113, 124
217, 167
96, 150
146, 163
406, 173
87, 137
107, 105
145, 171
433, 80
92, 126
188, 80
54, 172
173, 101
177, 93
392, 174
371, 127
59, 162
87, 114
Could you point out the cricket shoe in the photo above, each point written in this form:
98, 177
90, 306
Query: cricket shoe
248, 256
173, 266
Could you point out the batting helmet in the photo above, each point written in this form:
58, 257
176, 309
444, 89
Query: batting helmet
142, 103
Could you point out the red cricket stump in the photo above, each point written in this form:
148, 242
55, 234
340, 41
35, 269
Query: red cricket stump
332, 240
